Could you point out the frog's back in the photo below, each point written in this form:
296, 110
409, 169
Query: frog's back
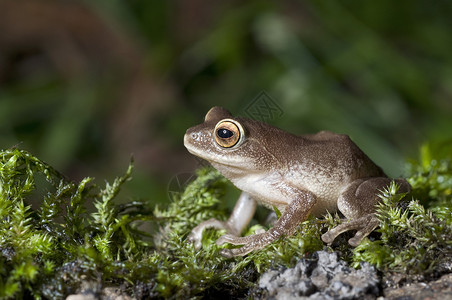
325, 163
339, 156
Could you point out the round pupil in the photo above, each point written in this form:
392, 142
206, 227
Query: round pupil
224, 133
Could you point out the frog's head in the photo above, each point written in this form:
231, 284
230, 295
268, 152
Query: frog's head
234, 144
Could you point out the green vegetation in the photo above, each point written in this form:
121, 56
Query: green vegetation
47, 251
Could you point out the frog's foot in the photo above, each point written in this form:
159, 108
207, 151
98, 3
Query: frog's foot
196, 234
239, 240
251, 242
365, 225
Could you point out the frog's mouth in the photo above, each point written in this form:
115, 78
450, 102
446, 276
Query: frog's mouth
193, 144
226, 158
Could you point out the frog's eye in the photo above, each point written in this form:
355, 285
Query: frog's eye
228, 133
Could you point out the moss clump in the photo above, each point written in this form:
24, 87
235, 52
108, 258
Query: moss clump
48, 250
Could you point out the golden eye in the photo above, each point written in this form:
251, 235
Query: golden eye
228, 133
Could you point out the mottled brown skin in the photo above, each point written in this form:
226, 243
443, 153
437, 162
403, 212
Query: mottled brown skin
300, 175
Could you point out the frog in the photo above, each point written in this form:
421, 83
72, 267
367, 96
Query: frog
297, 175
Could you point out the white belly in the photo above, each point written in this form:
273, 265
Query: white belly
269, 192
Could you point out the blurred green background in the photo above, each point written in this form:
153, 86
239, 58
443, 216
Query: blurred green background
86, 84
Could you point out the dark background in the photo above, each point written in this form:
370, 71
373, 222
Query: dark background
85, 84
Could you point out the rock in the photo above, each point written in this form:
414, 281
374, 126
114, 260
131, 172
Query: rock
323, 276
81, 297
440, 289
108, 293
112, 293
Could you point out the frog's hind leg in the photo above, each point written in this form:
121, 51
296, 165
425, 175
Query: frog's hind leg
357, 203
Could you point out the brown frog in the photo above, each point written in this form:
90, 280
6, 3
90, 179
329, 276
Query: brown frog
300, 175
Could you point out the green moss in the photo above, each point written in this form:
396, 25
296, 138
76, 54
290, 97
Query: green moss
48, 250
40, 246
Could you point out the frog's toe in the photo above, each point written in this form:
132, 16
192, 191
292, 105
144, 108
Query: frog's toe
195, 239
228, 253
357, 239
234, 240
364, 226
260, 231
195, 236
227, 238
328, 237
364, 231
332, 234
251, 242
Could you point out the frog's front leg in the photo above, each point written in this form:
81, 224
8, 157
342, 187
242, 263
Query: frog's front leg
295, 213
358, 204
241, 216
